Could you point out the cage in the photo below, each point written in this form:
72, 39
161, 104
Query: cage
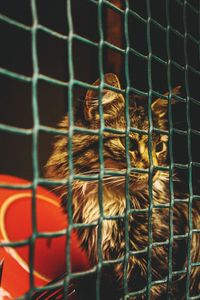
51, 53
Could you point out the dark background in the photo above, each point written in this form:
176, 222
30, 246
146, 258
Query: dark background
15, 55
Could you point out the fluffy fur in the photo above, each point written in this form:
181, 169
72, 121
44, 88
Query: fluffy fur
85, 201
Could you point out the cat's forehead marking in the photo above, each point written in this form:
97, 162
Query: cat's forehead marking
138, 118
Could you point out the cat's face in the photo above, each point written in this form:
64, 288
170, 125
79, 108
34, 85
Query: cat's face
114, 144
114, 147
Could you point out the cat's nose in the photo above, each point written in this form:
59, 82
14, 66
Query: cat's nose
143, 164
139, 160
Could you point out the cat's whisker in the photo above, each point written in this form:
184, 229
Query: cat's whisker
97, 171
176, 180
105, 169
57, 188
106, 181
113, 181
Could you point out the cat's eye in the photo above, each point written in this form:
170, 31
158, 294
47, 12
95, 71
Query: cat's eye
160, 147
133, 144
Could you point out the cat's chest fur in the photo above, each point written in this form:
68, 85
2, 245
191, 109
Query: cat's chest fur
86, 202
86, 210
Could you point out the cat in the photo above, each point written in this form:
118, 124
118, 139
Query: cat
85, 199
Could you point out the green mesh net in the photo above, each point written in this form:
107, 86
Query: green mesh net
149, 22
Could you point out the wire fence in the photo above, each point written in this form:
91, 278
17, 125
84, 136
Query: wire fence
38, 128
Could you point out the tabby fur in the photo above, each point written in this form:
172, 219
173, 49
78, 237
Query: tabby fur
85, 201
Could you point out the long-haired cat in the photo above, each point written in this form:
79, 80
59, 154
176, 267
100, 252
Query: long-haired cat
168, 220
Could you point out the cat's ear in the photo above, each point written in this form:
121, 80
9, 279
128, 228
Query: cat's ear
160, 106
112, 101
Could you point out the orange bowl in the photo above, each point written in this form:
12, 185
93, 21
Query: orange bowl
49, 259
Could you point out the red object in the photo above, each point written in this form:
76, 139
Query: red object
49, 253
